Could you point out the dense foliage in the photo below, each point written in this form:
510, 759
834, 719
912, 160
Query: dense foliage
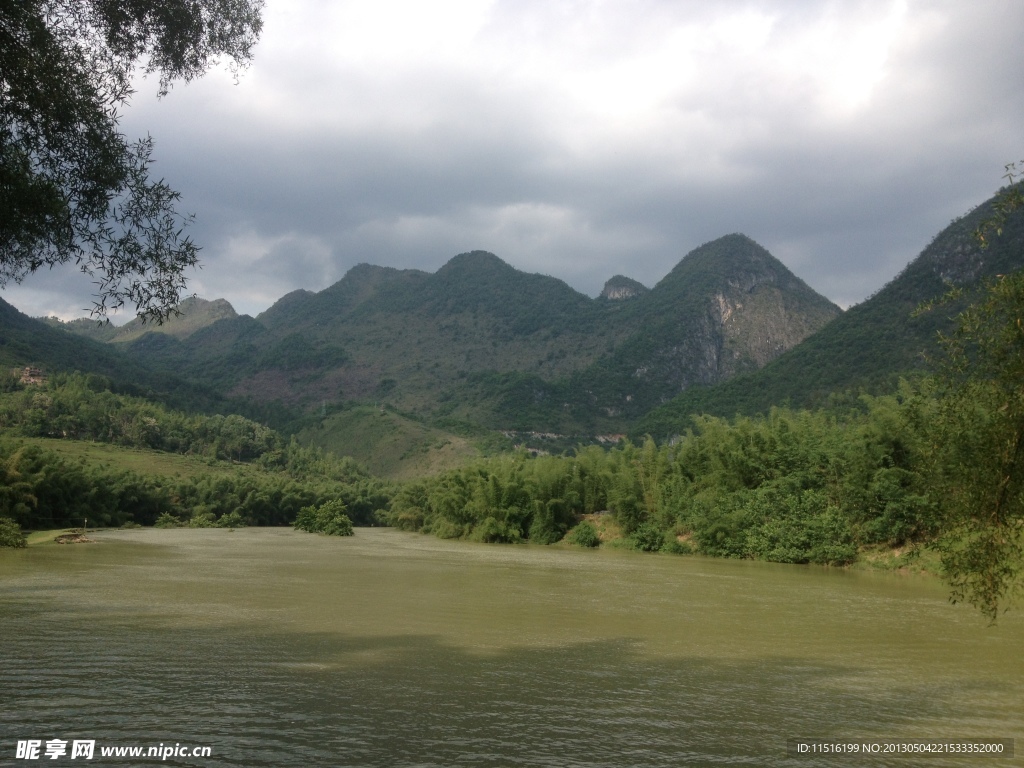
978, 448
795, 486
584, 535
40, 489
10, 533
83, 407
329, 518
267, 481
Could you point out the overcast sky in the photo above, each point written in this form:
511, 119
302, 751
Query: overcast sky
583, 139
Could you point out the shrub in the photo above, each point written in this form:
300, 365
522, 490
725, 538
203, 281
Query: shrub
545, 527
800, 529
584, 535
900, 515
492, 531
230, 520
627, 509
647, 538
718, 527
329, 518
201, 520
338, 525
307, 520
10, 534
445, 529
167, 520
677, 547
410, 519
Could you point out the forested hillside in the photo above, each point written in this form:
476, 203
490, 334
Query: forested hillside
872, 343
480, 343
26, 341
228, 466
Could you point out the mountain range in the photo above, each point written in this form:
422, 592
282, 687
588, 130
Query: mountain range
479, 347
481, 342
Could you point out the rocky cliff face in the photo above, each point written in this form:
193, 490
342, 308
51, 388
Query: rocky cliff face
763, 311
728, 307
759, 325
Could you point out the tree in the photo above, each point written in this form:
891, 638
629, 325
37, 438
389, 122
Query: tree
979, 448
73, 189
1009, 199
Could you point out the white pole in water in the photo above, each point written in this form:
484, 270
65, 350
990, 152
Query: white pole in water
85, 526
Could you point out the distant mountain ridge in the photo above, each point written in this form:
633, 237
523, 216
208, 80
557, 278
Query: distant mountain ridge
191, 315
479, 341
50, 346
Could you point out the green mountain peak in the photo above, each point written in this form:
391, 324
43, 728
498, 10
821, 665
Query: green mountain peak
871, 344
620, 287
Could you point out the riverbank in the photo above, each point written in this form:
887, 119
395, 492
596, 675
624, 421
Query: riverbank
46, 538
900, 560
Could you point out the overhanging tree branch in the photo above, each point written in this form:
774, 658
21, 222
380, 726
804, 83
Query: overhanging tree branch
73, 189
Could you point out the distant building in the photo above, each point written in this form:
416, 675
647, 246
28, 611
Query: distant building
30, 375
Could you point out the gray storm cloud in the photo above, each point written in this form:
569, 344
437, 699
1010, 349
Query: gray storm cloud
583, 139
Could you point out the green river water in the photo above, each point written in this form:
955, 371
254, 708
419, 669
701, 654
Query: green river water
277, 648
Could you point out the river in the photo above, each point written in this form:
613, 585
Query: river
277, 648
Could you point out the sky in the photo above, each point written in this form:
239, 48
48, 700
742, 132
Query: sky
581, 139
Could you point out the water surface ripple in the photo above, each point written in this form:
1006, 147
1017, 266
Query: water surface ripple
277, 648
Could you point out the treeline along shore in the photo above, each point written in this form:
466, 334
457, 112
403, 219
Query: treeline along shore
794, 486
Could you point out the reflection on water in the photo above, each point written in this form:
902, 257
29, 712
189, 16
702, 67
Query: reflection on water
390, 649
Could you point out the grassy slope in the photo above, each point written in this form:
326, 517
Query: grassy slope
143, 462
46, 538
389, 444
